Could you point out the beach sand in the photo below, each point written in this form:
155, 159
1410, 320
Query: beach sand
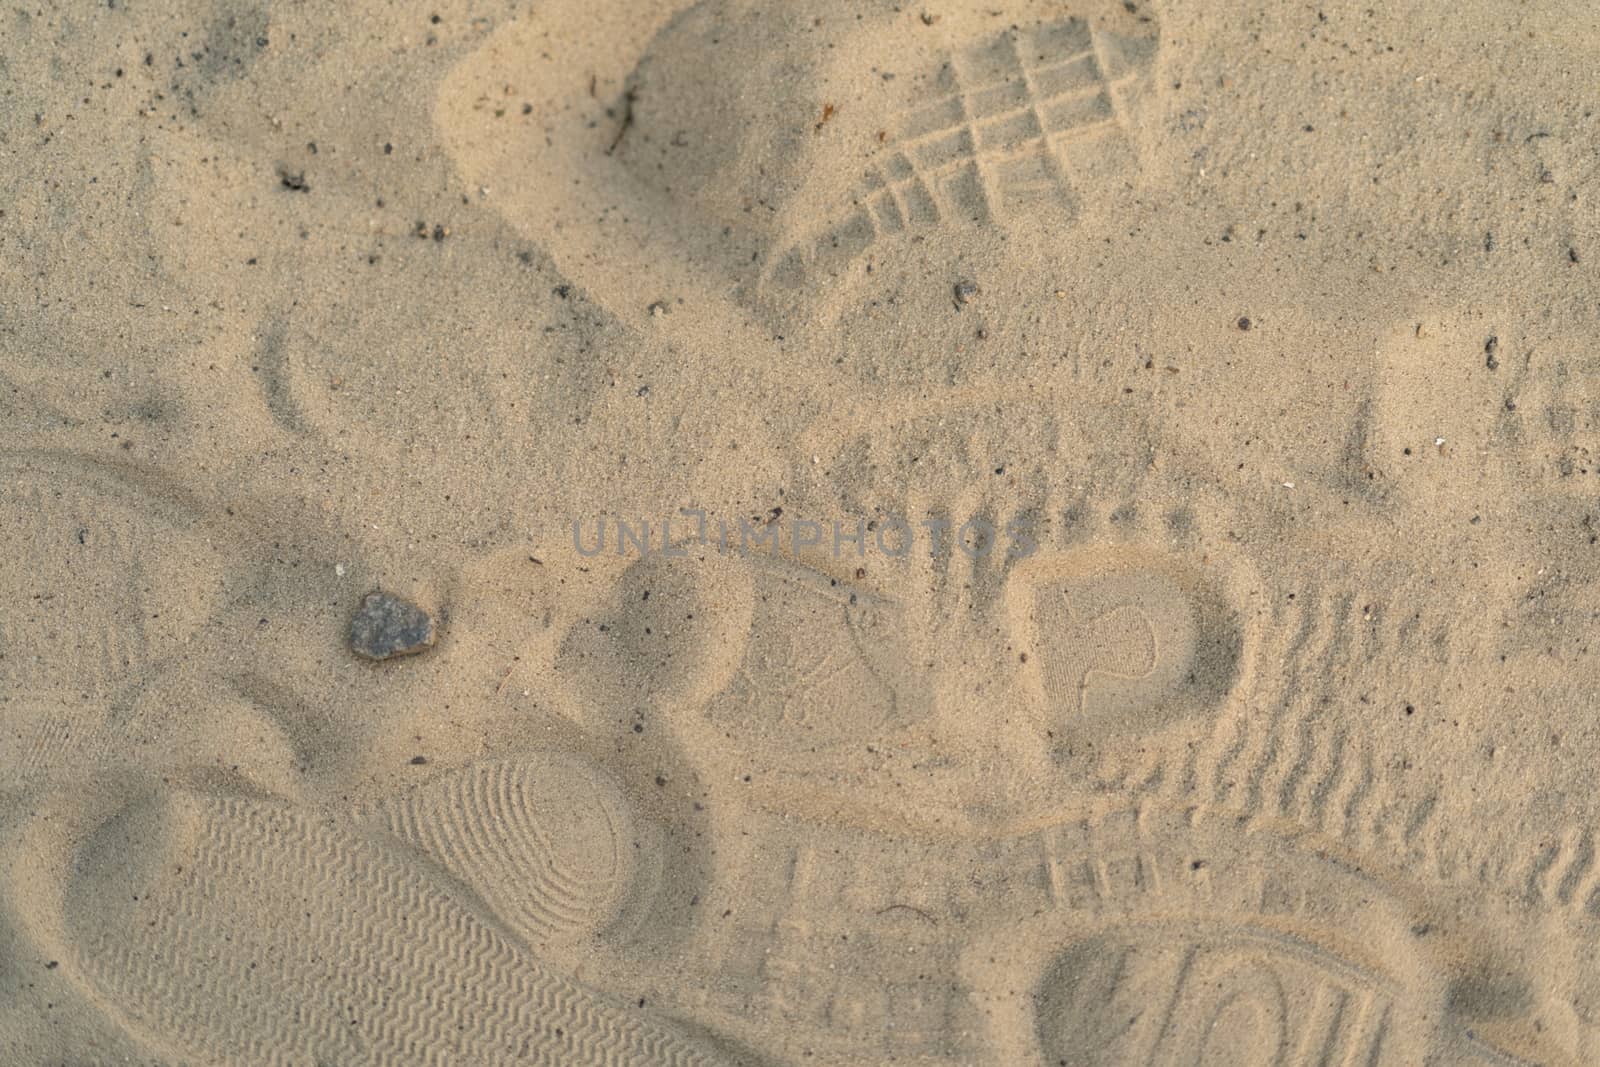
1007, 533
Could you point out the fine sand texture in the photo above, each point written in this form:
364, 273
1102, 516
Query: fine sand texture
605, 533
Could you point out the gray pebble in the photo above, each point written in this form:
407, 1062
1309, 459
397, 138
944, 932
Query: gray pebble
387, 626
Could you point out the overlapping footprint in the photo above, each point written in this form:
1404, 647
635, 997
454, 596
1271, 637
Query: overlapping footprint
986, 667
245, 930
222, 925
890, 745
872, 714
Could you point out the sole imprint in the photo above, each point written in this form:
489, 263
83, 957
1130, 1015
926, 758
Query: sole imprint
1115, 935
548, 843
1234, 996
245, 932
1007, 128
1176, 940
821, 661
107, 580
1124, 640
694, 147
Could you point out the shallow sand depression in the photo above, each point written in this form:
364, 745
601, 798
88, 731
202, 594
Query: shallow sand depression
659, 532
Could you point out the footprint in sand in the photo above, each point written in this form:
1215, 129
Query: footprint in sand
1107, 622
725, 160
1183, 943
822, 660
110, 575
548, 843
666, 635
1124, 640
1107, 934
1151, 981
1006, 128
248, 931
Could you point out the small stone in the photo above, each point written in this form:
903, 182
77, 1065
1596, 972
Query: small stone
964, 293
387, 626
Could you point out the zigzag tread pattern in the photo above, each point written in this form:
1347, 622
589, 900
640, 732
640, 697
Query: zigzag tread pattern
285, 941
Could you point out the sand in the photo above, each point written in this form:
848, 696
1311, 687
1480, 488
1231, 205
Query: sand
1006, 533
